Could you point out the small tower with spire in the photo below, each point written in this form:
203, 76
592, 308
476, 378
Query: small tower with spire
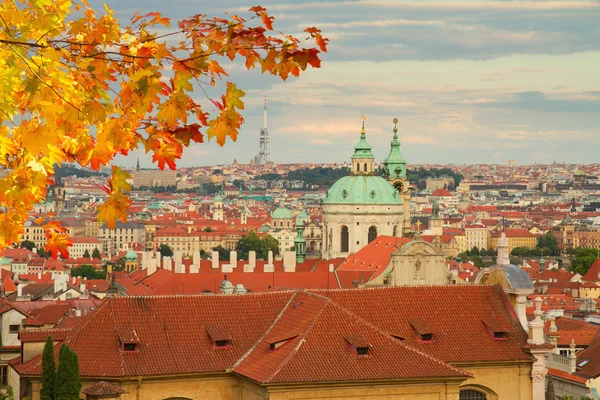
244, 215
363, 162
137, 165
300, 242
436, 223
395, 165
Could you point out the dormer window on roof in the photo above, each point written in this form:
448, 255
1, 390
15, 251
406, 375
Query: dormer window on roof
128, 339
358, 344
497, 329
220, 336
423, 331
276, 345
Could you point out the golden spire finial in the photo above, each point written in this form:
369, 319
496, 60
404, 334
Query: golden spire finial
363, 118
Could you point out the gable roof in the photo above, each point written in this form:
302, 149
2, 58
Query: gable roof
593, 274
171, 334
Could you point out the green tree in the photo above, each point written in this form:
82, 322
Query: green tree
223, 252
68, 383
27, 244
8, 394
96, 253
42, 252
207, 229
86, 254
548, 241
165, 250
88, 271
521, 252
248, 243
48, 371
583, 260
271, 244
475, 251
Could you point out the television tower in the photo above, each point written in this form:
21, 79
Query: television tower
262, 157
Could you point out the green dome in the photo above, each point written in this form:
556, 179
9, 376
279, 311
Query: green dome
302, 215
282, 213
218, 199
365, 189
131, 256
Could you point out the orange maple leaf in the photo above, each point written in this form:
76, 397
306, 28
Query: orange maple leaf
57, 243
189, 133
114, 208
216, 69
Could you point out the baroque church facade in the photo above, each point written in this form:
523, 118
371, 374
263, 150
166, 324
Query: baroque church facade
363, 205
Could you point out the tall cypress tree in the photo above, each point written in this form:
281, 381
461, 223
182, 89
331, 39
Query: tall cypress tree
68, 383
48, 371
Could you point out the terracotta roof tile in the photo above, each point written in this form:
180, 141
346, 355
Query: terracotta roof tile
103, 389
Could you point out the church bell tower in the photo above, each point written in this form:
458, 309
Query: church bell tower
394, 168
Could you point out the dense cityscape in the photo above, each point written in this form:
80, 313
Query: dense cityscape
399, 202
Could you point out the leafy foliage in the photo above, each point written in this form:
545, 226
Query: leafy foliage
88, 271
223, 252
165, 250
583, 260
321, 176
80, 87
48, 371
68, 383
262, 246
27, 244
527, 252
86, 254
96, 253
548, 243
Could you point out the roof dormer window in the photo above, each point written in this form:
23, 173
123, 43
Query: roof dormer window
220, 337
497, 329
129, 347
422, 330
276, 345
358, 344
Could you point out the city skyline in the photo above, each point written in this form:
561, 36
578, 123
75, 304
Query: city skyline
470, 82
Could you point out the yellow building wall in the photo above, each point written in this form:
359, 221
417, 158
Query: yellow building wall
497, 381
509, 381
589, 293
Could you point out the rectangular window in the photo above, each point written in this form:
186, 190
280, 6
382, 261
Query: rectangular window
3, 375
14, 328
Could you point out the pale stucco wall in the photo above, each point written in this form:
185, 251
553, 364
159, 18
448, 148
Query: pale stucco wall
358, 219
9, 318
508, 381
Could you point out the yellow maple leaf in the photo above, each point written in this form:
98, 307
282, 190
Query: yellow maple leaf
233, 96
114, 208
118, 181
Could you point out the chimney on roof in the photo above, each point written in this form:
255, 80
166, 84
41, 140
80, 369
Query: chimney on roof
157, 256
82, 287
289, 261
39, 275
19, 290
196, 258
151, 267
269, 266
233, 258
178, 257
78, 312
330, 267
251, 262
240, 289
226, 287
167, 263
536, 326
194, 269
215, 260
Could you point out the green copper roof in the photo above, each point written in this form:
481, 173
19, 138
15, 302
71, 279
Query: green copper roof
218, 198
282, 213
299, 236
131, 256
395, 164
362, 189
302, 215
362, 148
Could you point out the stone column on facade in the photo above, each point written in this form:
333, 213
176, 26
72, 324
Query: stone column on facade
522, 310
572, 357
538, 349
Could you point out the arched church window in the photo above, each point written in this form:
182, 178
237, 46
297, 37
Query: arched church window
395, 233
365, 167
471, 394
372, 234
345, 239
357, 167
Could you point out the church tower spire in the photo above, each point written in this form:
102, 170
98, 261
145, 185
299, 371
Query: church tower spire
363, 162
395, 165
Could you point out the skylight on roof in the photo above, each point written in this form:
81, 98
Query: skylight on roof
584, 362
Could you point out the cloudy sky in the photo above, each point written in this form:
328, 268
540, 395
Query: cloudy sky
470, 81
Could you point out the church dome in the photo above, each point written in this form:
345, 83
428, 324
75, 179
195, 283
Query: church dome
282, 213
362, 189
131, 256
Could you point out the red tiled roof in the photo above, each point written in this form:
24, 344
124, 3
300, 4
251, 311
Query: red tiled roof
566, 376
592, 355
102, 389
172, 339
40, 335
593, 274
318, 330
441, 193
